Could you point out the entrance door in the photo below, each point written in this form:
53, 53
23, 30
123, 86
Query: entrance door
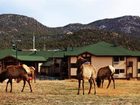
129, 70
64, 68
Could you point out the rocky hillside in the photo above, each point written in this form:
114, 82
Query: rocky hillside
14, 27
127, 24
13, 24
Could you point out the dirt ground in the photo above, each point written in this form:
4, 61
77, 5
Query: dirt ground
64, 92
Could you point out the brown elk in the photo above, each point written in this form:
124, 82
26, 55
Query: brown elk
85, 71
15, 72
106, 72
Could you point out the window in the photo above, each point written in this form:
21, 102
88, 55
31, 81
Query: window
73, 65
121, 70
121, 58
117, 59
130, 64
118, 71
138, 70
138, 59
84, 55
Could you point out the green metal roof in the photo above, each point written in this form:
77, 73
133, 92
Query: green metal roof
48, 54
101, 49
98, 49
6, 52
135, 53
31, 58
21, 55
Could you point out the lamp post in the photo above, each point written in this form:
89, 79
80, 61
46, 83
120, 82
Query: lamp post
16, 47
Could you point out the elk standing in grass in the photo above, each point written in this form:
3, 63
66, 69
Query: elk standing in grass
85, 71
103, 73
15, 72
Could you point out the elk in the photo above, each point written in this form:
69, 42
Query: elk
85, 71
15, 72
103, 73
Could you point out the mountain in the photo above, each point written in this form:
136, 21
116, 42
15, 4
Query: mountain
127, 24
13, 24
14, 27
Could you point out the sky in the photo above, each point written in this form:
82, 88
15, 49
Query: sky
55, 13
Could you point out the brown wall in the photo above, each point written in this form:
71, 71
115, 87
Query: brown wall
99, 62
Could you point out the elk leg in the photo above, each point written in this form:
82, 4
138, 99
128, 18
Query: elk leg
11, 84
79, 83
109, 81
102, 82
113, 81
7, 85
94, 81
90, 81
83, 86
29, 85
24, 82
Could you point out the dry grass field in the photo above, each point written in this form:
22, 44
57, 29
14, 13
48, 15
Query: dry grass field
56, 92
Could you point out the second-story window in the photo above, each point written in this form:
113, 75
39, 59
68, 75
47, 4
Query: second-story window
138, 59
117, 59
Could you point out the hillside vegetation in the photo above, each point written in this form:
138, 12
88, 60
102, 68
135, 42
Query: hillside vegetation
122, 31
86, 37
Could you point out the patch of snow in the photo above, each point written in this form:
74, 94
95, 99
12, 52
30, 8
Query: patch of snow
102, 26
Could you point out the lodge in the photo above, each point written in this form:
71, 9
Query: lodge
62, 64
